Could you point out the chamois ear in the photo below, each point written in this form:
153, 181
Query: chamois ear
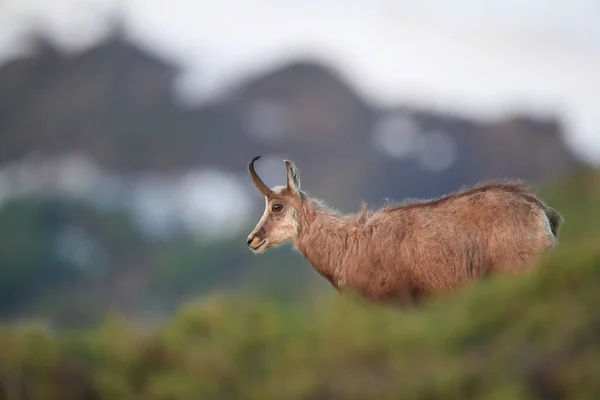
293, 176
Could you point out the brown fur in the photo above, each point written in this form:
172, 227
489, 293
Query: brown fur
402, 252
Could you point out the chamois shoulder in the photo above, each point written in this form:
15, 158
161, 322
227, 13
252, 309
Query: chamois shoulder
514, 187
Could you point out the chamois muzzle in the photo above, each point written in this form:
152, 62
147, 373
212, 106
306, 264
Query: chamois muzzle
256, 242
264, 189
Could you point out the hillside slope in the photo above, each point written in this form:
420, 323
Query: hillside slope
535, 337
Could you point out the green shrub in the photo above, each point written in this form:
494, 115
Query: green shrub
533, 337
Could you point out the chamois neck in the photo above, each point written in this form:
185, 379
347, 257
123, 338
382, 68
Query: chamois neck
321, 239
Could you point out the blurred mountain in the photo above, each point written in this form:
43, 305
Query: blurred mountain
70, 227
116, 102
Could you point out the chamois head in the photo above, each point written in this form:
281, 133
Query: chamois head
278, 223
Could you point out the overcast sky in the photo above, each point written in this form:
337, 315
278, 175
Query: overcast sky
471, 56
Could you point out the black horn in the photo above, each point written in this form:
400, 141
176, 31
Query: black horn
264, 189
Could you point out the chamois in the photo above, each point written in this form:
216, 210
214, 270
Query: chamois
403, 252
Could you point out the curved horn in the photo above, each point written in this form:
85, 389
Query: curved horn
264, 189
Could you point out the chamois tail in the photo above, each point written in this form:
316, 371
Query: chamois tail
555, 220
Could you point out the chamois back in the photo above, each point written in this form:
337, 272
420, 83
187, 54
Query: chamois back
404, 251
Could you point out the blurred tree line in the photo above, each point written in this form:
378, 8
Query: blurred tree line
69, 263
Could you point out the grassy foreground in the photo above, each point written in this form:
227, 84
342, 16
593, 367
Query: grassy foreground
533, 337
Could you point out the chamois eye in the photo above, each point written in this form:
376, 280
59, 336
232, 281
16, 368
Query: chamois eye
277, 207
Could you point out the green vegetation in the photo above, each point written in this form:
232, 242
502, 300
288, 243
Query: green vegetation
532, 337
55, 249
